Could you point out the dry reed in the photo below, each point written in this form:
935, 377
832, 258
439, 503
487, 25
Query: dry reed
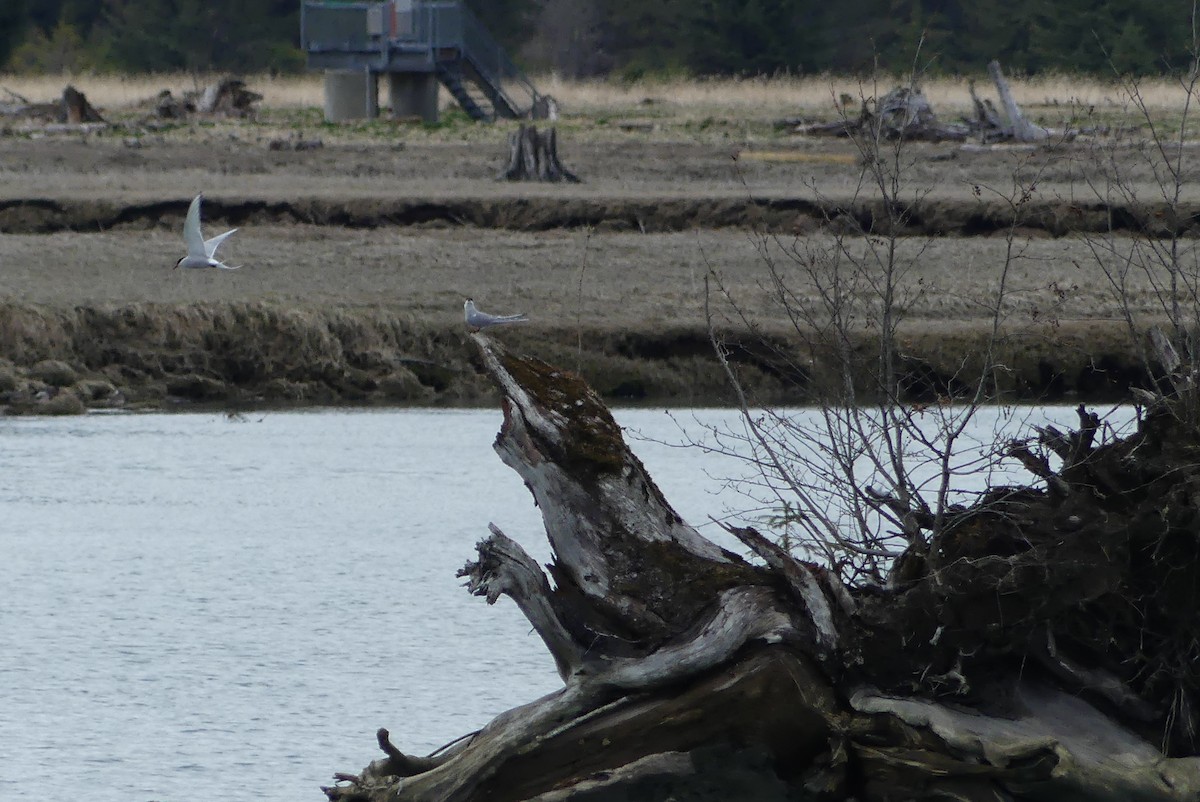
127, 91
820, 94
660, 97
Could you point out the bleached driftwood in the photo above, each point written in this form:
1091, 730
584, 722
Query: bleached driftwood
1016, 126
227, 97
905, 113
1011, 125
689, 669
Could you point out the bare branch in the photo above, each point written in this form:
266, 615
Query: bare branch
1039, 466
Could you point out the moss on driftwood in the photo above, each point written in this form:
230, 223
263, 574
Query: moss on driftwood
593, 440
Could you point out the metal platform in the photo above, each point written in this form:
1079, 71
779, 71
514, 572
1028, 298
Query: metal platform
414, 43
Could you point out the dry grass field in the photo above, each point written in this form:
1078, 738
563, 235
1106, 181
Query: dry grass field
695, 99
563, 279
676, 180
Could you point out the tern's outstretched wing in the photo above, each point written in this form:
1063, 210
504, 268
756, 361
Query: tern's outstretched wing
210, 245
481, 320
191, 231
519, 318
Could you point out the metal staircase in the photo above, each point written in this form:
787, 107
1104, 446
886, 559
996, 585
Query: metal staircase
441, 37
475, 105
479, 74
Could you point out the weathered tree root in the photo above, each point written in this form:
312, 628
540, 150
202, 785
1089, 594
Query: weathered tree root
998, 666
905, 113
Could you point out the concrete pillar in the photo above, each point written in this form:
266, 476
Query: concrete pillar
351, 95
413, 94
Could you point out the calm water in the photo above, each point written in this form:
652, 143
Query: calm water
191, 604
195, 608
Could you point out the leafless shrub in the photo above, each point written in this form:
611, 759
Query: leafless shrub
892, 456
1146, 174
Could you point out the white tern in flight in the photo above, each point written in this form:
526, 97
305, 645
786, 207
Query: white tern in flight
481, 320
200, 250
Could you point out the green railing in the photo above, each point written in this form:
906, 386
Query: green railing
377, 36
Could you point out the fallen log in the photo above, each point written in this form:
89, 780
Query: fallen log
1038, 645
70, 128
295, 143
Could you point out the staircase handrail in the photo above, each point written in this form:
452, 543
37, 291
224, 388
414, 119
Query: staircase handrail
493, 63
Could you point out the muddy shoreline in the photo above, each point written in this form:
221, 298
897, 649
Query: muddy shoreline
244, 356
796, 215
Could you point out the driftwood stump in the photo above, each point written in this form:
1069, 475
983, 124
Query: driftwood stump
1040, 645
905, 113
1012, 125
71, 109
533, 156
227, 97
169, 107
76, 108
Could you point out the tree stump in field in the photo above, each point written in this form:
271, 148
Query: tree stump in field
76, 108
71, 109
1041, 644
169, 107
533, 156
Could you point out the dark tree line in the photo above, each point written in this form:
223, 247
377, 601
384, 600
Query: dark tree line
633, 37
150, 35
803, 36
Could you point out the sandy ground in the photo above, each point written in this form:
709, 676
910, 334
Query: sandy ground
235, 160
636, 279
562, 278
618, 282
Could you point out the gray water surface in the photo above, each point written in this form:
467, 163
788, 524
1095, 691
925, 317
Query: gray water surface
195, 608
